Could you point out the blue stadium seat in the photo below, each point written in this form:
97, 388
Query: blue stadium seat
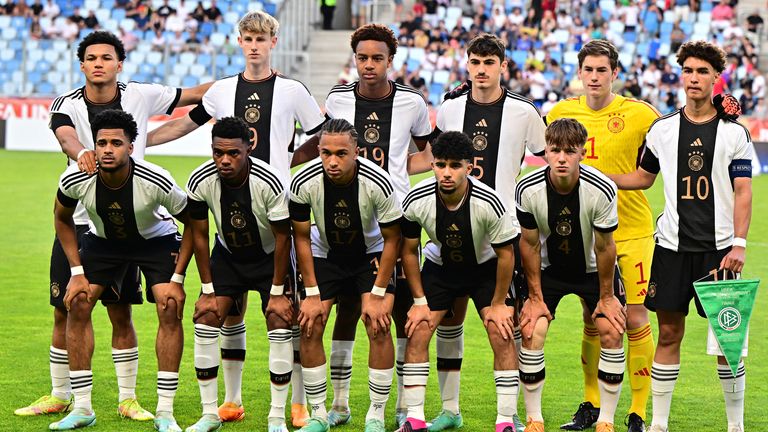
45, 88
206, 29
232, 70
225, 28
519, 57
19, 23
204, 59
270, 8
222, 61
412, 65
436, 88
189, 81
238, 61
686, 27
34, 77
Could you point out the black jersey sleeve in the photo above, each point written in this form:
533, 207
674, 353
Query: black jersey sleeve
197, 209
65, 200
410, 229
199, 115
650, 162
527, 220
58, 120
299, 212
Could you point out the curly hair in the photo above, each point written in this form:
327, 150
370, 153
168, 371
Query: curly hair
374, 32
452, 145
233, 128
599, 47
101, 37
566, 133
706, 51
486, 45
115, 119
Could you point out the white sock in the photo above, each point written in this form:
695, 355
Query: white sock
297, 379
507, 386
663, 379
379, 386
232, 359
341, 372
532, 375
450, 351
60, 386
610, 373
316, 387
207, 366
733, 390
167, 383
280, 368
399, 362
415, 376
82, 385
518, 336
126, 368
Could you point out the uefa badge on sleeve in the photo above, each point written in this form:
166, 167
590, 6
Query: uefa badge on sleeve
728, 305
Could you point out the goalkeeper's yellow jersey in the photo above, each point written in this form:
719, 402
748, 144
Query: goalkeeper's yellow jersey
615, 145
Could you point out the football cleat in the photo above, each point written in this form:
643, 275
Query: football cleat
446, 420
231, 412
130, 408
735, 428
374, 425
78, 418
519, 425
656, 428
408, 427
164, 422
534, 426
634, 423
48, 404
604, 427
276, 424
401, 415
585, 417
316, 424
337, 417
207, 423
299, 415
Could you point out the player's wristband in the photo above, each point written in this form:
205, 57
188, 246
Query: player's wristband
80, 153
207, 288
378, 291
178, 278
740, 242
76, 271
277, 290
420, 301
312, 291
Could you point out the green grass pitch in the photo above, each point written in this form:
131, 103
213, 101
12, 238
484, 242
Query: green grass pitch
27, 191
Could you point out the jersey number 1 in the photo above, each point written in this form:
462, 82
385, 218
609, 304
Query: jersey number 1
591, 148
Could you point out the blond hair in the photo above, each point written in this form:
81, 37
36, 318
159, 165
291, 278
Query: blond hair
258, 22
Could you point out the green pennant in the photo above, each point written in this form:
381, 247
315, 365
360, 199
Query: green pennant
728, 305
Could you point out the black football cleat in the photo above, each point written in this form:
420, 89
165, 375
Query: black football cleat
634, 423
585, 417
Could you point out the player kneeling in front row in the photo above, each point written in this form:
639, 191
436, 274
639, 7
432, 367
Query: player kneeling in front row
470, 254
351, 250
568, 212
124, 201
252, 249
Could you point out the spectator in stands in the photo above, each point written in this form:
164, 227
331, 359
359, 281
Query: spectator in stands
669, 77
51, 9
651, 75
629, 14
77, 17
177, 43
516, 17
164, 10
676, 37
36, 9
551, 101
143, 17
327, 9
722, 14
683, 9
21, 9
158, 41
199, 12
758, 84
733, 30
130, 41
35, 30
747, 101
548, 22
754, 22
192, 42
69, 30
564, 21
91, 22
183, 9
416, 81
173, 22
190, 23
538, 85
531, 23
345, 76
651, 19
213, 13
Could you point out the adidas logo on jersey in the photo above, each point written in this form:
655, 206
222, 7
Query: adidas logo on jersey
115, 206
482, 123
453, 227
565, 211
642, 293
642, 372
373, 116
254, 96
342, 204
697, 143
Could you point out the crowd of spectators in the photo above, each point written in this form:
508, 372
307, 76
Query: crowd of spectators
176, 27
543, 41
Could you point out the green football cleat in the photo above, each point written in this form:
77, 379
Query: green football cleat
401, 415
338, 417
78, 418
48, 404
374, 425
519, 425
164, 422
130, 408
207, 423
446, 420
316, 424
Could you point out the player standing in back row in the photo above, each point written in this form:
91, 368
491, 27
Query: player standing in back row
501, 125
616, 128
270, 104
706, 163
